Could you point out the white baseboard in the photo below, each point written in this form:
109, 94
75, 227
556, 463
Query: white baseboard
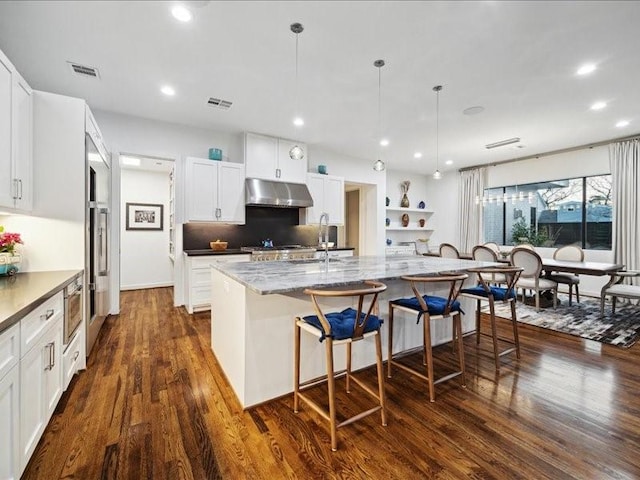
146, 285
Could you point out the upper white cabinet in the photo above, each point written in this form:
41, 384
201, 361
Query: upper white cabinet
214, 191
268, 158
327, 192
16, 139
93, 130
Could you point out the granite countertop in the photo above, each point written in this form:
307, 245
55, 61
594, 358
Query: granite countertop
23, 292
237, 251
295, 275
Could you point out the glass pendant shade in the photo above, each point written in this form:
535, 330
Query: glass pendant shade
378, 166
437, 175
296, 153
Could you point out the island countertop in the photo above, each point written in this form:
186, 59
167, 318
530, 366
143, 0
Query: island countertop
267, 278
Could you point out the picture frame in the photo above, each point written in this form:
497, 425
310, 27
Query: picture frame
144, 216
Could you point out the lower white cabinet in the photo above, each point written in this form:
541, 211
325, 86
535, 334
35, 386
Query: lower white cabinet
10, 403
198, 284
40, 386
335, 253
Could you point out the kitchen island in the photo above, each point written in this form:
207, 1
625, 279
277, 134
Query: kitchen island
254, 305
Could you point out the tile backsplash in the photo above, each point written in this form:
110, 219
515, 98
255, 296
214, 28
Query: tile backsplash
281, 225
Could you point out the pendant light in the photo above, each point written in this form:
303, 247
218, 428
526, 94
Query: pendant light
437, 175
379, 165
296, 152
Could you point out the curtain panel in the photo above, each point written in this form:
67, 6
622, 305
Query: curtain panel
471, 187
624, 159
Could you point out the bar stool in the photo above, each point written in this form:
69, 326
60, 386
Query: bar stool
338, 328
431, 308
485, 292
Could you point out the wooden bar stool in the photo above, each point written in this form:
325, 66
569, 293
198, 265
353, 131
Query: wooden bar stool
487, 293
339, 328
431, 308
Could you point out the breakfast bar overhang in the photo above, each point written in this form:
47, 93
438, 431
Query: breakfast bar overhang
254, 305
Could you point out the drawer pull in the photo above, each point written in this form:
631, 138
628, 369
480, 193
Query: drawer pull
76, 355
48, 315
49, 346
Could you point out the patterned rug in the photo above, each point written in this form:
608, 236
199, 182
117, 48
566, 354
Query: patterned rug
582, 319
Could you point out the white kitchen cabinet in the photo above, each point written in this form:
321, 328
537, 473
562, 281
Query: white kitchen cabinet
214, 191
198, 284
335, 253
268, 158
16, 139
71, 359
40, 387
327, 192
10, 424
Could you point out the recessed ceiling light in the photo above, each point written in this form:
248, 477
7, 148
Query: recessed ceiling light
384, 142
473, 110
167, 90
586, 69
598, 105
622, 123
417, 155
181, 13
449, 162
298, 122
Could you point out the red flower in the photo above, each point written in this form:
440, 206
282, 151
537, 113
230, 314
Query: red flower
8, 241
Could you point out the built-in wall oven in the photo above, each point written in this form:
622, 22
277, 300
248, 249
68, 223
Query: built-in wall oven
72, 308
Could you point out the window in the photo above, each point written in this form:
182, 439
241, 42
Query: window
551, 214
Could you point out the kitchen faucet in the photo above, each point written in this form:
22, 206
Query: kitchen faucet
324, 216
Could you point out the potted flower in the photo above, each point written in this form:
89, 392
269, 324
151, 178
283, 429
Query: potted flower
9, 258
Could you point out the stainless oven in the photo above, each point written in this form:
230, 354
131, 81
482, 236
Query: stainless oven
72, 308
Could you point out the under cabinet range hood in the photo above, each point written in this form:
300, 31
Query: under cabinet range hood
268, 193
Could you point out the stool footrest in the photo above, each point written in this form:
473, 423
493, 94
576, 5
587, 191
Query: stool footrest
357, 417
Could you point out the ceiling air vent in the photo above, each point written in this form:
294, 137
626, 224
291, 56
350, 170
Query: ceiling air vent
222, 104
84, 70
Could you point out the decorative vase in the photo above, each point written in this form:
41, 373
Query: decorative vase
387, 221
405, 220
404, 202
421, 222
387, 201
9, 263
389, 242
421, 204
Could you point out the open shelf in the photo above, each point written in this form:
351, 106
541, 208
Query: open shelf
422, 229
409, 210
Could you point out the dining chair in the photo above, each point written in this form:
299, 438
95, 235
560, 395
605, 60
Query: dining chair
493, 246
341, 328
570, 253
428, 308
448, 251
615, 288
531, 264
483, 253
526, 245
485, 292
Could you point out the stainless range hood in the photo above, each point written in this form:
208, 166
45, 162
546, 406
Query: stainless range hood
268, 193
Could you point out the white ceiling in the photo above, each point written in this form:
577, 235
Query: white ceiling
516, 59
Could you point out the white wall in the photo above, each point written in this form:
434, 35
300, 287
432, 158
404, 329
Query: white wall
49, 244
144, 260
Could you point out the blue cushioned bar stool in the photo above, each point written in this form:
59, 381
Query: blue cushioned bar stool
338, 328
484, 292
427, 308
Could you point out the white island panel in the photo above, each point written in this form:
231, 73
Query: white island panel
252, 332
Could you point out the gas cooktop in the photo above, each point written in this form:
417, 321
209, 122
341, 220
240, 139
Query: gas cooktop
274, 248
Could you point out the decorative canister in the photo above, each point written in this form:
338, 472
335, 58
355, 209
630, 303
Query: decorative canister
405, 220
421, 222
215, 154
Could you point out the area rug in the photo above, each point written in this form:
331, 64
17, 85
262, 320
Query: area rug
582, 319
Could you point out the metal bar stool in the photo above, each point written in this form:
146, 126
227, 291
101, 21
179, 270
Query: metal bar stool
339, 328
431, 308
485, 292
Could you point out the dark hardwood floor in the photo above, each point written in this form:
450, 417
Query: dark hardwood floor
153, 404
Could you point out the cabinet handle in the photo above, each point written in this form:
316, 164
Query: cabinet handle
49, 346
278, 173
53, 354
15, 189
47, 315
20, 181
75, 355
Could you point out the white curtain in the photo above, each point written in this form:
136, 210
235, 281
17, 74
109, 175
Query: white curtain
624, 159
472, 184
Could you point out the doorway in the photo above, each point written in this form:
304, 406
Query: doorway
360, 225
146, 222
